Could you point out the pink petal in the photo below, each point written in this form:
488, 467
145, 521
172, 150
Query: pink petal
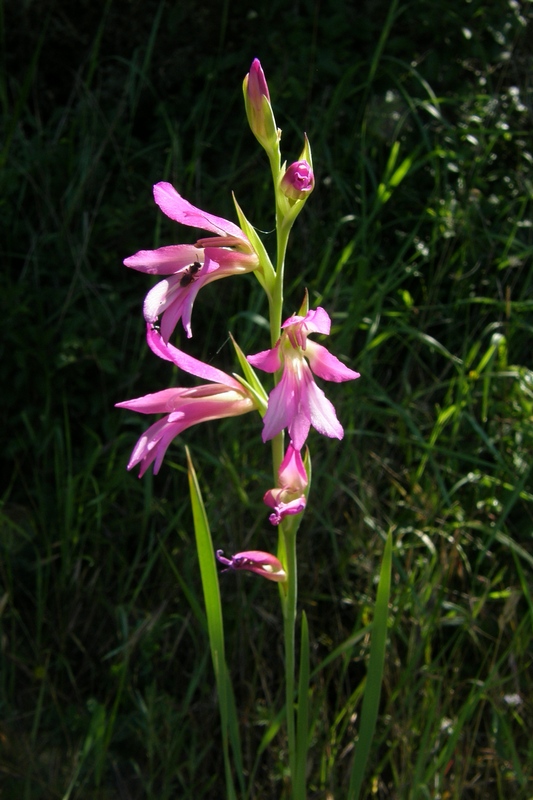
327, 366
165, 260
181, 308
267, 360
179, 209
257, 85
315, 321
162, 402
230, 262
322, 412
291, 473
152, 446
318, 321
264, 564
299, 427
282, 510
188, 363
190, 408
160, 297
283, 403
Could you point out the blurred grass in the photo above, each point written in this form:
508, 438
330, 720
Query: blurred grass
418, 239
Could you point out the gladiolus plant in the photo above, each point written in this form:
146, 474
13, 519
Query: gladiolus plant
289, 405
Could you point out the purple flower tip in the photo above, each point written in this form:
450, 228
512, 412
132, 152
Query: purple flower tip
257, 85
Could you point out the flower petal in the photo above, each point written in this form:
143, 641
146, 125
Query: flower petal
267, 360
165, 260
188, 363
283, 404
162, 402
282, 509
321, 412
176, 207
291, 473
264, 564
327, 366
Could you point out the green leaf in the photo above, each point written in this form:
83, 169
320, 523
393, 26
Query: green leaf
267, 276
302, 721
369, 712
252, 382
215, 627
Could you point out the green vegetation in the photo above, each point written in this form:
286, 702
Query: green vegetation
418, 240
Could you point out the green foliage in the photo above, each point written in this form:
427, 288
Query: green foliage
418, 239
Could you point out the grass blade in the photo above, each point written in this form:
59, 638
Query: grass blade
302, 723
376, 662
215, 627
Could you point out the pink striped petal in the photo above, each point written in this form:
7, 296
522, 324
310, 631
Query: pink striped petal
165, 260
326, 365
176, 207
188, 363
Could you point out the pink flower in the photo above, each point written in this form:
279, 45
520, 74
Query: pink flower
290, 497
264, 564
296, 402
183, 407
189, 266
298, 181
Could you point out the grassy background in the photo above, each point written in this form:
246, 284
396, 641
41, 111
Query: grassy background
418, 240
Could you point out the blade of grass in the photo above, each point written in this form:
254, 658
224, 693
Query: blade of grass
302, 720
376, 663
215, 627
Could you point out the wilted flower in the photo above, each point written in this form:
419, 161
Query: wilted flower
296, 402
298, 181
183, 407
289, 497
264, 564
190, 266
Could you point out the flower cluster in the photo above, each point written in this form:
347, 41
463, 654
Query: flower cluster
296, 403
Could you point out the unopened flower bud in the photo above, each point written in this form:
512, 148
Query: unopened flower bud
258, 108
298, 181
257, 86
289, 497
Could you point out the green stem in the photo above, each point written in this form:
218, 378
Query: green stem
287, 531
276, 299
289, 601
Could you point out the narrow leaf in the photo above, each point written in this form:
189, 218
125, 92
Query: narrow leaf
369, 712
302, 720
215, 628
